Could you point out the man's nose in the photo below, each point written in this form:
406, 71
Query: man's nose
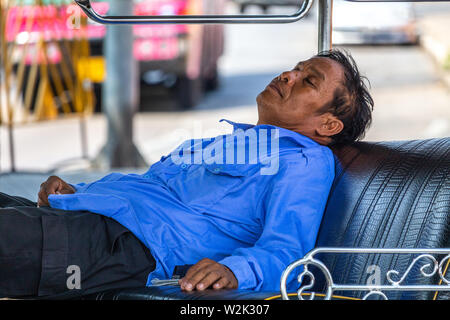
288, 77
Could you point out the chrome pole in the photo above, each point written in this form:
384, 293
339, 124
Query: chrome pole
325, 25
119, 94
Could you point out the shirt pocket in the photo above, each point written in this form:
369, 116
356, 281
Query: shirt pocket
200, 186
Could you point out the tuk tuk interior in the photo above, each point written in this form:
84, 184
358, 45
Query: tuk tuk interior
388, 207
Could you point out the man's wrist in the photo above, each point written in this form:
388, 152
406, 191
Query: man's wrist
242, 271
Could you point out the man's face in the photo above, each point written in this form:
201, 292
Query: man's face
293, 99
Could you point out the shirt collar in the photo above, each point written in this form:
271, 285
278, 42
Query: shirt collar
237, 125
285, 135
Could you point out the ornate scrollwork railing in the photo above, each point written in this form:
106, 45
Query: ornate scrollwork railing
395, 278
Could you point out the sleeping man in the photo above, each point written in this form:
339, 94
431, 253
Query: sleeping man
239, 207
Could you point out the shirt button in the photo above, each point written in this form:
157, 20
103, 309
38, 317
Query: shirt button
184, 166
146, 176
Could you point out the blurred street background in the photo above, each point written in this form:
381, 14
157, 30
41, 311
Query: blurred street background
409, 80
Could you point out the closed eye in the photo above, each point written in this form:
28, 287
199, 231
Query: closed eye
309, 82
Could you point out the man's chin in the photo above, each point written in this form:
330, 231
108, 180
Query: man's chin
260, 97
265, 99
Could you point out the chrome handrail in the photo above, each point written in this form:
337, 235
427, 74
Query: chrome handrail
432, 268
194, 19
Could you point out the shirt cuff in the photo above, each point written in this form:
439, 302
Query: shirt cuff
242, 271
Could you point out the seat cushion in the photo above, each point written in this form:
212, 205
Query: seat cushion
174, 293
387, 195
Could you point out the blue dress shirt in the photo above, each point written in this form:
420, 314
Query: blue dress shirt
191, 205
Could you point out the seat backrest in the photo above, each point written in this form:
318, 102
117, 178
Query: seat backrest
387, 195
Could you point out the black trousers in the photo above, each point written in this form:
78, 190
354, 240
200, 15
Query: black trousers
53, 253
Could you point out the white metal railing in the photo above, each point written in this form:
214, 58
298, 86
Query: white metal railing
430, 269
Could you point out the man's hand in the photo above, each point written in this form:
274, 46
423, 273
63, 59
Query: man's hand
53, 185
206, 273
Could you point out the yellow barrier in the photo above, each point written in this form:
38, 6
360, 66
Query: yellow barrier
44, 65
45, 70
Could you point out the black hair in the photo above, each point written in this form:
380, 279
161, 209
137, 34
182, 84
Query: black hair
352, 103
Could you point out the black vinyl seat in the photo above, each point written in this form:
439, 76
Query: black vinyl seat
388, 195
385, 195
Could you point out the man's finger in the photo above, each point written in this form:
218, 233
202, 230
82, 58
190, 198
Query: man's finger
223, 282
208, 273
45, 191
52, 187
65, 190
42, 197
210, 278
202, 263
42, 203
190, 281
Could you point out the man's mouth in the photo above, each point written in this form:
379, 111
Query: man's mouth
276, 88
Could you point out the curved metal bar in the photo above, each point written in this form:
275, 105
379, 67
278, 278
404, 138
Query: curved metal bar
307, 260
375, 293
194, 19
424, 273
427, 270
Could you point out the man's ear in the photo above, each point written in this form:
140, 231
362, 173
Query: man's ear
330, 126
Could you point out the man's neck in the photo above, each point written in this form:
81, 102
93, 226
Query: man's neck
323, 140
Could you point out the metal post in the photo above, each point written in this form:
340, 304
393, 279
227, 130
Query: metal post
83, 136
325, 25
120, 93
11, 146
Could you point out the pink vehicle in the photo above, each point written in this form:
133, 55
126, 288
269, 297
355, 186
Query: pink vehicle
168, 55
